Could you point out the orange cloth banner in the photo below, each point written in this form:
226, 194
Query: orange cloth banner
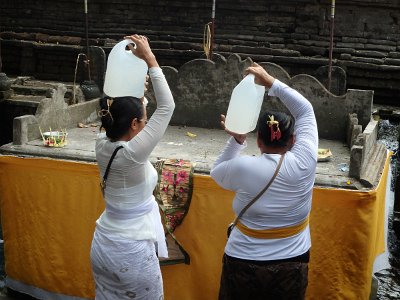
48, 213
347, 234
49, 208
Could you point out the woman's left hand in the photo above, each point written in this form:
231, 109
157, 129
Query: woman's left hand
240, 138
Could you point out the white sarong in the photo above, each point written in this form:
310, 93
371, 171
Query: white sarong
125, 269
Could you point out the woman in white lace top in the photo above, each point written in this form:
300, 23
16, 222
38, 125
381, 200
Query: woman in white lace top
129, 233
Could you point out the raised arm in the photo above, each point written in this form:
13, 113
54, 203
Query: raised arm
306, 132
144, 142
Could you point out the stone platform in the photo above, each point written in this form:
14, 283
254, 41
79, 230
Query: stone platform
202, 150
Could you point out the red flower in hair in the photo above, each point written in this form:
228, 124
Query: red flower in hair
274, 127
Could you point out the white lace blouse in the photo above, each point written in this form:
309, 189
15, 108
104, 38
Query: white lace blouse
130, 205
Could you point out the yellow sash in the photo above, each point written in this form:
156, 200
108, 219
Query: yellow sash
275, 233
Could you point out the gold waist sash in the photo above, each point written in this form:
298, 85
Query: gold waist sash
275, 233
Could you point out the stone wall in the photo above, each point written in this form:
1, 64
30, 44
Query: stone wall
293, 34
202, 91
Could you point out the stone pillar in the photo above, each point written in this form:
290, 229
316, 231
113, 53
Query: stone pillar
21, 129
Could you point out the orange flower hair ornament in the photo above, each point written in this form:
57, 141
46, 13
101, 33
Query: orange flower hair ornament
104, 112
274, 127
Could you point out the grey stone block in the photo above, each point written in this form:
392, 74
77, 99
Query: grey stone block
251, 50
313, 43
285, 52
280, 46
368, 60
350, 45
394, 54
161, 45
355, 161
187, 46
357, 131
369, 53
21, 129
344, 50
351, 122
346, 39
308, 50
380, 47
392, 61
345, 56
300, 36
373, 164
381, 42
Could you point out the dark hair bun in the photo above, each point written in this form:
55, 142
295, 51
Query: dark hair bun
275, 128
117, 115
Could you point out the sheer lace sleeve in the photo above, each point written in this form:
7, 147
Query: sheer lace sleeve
144, 142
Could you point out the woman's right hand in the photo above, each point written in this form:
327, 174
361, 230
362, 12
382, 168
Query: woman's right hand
142, 49
240, 138
261, 76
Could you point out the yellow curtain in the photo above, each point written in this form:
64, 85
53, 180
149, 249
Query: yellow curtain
49, 208
203, 235
347, 234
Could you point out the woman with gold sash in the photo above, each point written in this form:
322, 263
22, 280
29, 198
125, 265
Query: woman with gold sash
267, 253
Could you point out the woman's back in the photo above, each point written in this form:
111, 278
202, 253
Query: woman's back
287, 202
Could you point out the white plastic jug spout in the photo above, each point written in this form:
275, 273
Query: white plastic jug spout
125, 74
245, 106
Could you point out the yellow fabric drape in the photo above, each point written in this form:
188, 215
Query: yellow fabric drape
347, 234
49, 208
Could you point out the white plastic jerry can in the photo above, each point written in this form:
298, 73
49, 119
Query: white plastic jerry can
125, 73
245, 106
